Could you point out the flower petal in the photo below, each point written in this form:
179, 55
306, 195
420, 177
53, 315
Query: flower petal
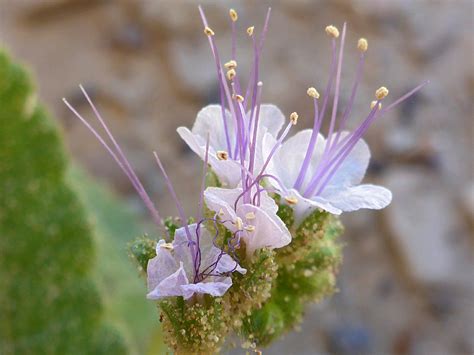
161, 266
216, 289
171, 286
288, 160
228, 171
209, 122
305, 206
271, 118
361, 196
353, 168
269, 232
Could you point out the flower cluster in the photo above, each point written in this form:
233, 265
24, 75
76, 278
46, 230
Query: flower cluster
267, 186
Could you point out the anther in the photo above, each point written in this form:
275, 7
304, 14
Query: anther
231, 64
231, 74
249, 228
332, 31
373, 103
239, 224
362, 45
250, 215
291, 200
381, 92
233, 15
239, 98
250, 30
294, 118
168, 246
208, 31
222, 155
312, 92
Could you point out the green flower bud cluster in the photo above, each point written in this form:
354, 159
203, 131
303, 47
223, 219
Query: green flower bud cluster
265, 302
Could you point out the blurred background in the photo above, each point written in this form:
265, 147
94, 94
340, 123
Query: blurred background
406, 285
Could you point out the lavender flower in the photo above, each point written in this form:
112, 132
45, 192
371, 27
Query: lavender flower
192, 263
311, 172
172, 272
225, 140
257, 224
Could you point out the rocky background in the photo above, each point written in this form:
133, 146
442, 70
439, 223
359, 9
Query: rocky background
407, 284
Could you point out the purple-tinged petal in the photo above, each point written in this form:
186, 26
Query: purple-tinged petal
213, 288
161, 266
171, 286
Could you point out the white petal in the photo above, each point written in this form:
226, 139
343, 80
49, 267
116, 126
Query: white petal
288, 160
228, 171
170, 286
353, 168
271, 118
209, 122
305, 206
213, 288
222, 200
361, 196
269, 232
161, 266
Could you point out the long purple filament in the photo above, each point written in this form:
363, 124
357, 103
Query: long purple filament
122, 163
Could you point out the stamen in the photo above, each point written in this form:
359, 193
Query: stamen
381, 93
231, 64
233, 15
291, 200
294, 118
312, 92
332, 31
362, 45
250, 215
249, 228
222, 155
231, 74
373, 103
168, 246
250, 30
238, 223
208, 31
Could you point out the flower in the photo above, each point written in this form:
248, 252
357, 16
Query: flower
172, 273
342, 193
257, 224
310, 171
225, 140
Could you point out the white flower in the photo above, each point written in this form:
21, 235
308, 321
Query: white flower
172, 273
341, 193
258, 226
209, 121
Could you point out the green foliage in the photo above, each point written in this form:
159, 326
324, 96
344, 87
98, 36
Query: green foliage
306, 272
48, 302
122, 292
